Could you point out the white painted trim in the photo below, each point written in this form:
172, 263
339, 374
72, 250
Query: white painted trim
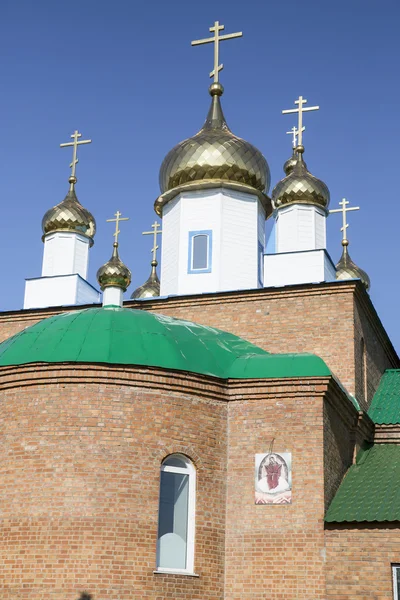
191, 525
395, 568
175, 572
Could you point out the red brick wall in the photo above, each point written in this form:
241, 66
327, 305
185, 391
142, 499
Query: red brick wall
276, 551
358, 563
79, 477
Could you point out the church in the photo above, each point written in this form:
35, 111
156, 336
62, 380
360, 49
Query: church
228, 431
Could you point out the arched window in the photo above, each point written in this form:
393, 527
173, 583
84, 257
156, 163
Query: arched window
175, 544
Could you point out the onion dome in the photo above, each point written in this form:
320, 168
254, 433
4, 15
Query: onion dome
214, 157
347, 269
299, 186
290, 163
114, 273
69, 215
151, 287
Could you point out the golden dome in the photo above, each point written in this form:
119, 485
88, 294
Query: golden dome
291, 163
214, 155
300, 187
69, 215
114, 273
347, 269
151, 287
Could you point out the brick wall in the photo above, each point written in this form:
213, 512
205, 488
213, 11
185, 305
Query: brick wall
79, 481
358, 562
276, 551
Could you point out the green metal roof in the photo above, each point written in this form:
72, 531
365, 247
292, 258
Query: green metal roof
371, 489
135, 337
385, 405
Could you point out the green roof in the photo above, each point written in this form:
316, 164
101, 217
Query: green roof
385, 405
370, 490
136, 337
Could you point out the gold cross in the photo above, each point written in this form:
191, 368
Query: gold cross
301, 101
154, 233
344, 210
75, 136
294, 132
216, 40
117, 220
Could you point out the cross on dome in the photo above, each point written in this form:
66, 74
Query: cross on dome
344, 210
294, 133
156, 231
117, 221
300, 110
216, 39
76, 142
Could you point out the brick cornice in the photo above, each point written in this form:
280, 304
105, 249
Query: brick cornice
158, 304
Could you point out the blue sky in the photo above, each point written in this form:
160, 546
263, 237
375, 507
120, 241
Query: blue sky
125, 75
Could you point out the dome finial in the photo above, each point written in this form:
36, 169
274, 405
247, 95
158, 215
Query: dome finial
346, 268
291, 162
216, 39
151, 287
76, 142
114, 277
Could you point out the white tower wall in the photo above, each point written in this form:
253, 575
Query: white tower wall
65, 253
300, 243
64, 271
300, 227
230, 223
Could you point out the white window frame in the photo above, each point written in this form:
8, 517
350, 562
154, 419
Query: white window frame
189, 470
192, 235
395, 568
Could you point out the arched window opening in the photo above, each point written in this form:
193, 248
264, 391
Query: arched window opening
176, 515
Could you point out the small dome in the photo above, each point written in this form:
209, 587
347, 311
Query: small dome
114, 273
291, 163
347, 269
69, 215
300, 187
150, 288
215, 153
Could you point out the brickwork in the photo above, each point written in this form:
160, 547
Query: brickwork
79, 483
277, 552
358, 560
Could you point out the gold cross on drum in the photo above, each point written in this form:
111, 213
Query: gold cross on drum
117, 221
77, 142
216, 40
294, 132
300, 110
344, 210
154, 233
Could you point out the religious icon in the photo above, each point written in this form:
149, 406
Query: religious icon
273, 478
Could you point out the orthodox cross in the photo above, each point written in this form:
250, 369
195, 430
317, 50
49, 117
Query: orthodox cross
216, 39
117, 221
294, 132
75, 136
344, 210
301, 101
154, 233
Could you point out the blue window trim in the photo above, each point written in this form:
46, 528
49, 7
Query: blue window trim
260, 264
192, 234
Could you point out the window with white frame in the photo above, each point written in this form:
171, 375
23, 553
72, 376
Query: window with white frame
200, 250
176, 515
396, 581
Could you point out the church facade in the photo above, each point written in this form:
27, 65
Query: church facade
230, 432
